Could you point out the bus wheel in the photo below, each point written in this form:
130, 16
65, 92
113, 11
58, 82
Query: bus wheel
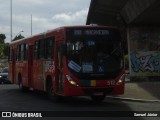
98, 98
51, 94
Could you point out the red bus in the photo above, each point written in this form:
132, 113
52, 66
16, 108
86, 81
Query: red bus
70, 61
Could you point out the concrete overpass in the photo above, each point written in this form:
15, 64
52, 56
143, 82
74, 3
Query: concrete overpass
139, 22
124, 12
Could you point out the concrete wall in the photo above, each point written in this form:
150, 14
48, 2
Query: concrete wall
144, 50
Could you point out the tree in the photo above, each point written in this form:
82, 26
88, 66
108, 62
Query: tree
2, 43
2, 38
1, 50
18, 37
6, 49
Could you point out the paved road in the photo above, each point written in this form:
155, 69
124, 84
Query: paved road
141, 91
12, 99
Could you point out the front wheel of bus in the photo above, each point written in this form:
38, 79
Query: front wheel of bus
51, 94
98, 98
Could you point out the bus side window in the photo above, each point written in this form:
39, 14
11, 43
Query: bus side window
25, 52
37, 49
49, 48
60, 56
41, 49
18, 52
21, 52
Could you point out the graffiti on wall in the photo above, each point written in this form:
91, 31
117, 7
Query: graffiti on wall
144, 49
145, 62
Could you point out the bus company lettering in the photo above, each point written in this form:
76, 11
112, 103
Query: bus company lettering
20, 64
49, 66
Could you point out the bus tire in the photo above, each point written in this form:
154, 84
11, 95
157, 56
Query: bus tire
98, 98
50, 92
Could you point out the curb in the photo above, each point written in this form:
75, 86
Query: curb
132, 99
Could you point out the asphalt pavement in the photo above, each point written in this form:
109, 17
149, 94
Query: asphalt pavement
140, 90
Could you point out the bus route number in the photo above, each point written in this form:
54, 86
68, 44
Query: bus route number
110, 83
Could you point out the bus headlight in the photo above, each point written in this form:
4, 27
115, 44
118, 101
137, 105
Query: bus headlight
0, 76
71, 81
121, 80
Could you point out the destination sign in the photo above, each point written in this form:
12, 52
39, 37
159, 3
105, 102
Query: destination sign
91, 32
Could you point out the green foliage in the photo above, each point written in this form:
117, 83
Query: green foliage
18, 37
126, 59
3, 46
6, 49
2, 38
1, 50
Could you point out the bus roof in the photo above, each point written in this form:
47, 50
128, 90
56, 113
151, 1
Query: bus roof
58, 29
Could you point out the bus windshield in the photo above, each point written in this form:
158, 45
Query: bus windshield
94, 56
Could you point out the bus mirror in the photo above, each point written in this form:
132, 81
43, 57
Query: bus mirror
64, 49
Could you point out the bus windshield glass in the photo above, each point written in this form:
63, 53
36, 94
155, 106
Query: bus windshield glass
94, 53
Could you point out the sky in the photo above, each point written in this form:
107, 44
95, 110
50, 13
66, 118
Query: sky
46, 15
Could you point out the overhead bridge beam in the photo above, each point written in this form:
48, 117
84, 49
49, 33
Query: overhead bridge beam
135, 8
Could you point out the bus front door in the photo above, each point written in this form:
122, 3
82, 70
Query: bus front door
60, 80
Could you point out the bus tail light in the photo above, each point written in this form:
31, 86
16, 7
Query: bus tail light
71, 81
121, 80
